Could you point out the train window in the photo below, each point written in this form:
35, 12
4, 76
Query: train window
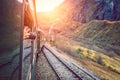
29, 39
10, 26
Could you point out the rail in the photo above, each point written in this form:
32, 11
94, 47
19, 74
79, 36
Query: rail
73, 70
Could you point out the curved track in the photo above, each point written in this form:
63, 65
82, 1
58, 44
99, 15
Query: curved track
63, 69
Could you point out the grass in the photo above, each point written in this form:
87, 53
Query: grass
100, 58
106, 67
101, 31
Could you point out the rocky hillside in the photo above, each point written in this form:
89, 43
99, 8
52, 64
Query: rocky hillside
101, 31
93, 20
89, 20
81, 11
87, 10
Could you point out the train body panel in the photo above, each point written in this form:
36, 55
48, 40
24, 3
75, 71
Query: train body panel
18, 39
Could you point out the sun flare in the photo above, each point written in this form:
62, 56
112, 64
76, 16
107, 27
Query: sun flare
47, 5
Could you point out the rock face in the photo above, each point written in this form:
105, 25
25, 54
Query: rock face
87, 10
107, 9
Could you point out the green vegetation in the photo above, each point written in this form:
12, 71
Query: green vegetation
79, 52
100, 58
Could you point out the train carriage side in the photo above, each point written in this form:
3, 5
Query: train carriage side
17, 39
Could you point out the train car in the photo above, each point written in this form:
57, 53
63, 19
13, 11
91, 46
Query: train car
18, 39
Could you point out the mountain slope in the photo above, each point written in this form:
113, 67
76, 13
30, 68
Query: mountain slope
87, 10
102, 31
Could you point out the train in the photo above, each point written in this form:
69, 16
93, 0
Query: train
19, 39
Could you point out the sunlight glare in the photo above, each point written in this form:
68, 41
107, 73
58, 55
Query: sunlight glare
20, 1
47, 5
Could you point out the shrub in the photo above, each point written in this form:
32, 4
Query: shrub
80, 52
99, 60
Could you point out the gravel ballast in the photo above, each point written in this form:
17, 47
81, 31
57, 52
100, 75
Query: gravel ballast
43, 69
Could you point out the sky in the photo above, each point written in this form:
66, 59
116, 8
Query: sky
44, 5
47, 5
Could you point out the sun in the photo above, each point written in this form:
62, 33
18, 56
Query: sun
47, 5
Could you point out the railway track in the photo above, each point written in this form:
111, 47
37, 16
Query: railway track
64, 69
